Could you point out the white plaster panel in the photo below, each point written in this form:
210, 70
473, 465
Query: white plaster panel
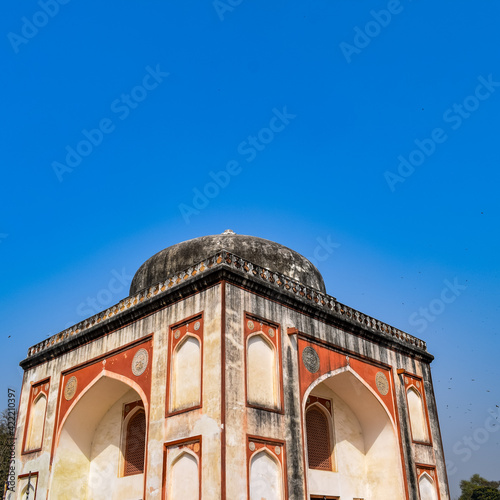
261, 372
427, 489
36, 424
266, 481
183, 481
417, 416
186, 374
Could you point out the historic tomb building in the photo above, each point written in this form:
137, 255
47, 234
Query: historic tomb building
229, 373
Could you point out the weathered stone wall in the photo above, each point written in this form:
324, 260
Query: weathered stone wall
205, 421
242, 420
225, 416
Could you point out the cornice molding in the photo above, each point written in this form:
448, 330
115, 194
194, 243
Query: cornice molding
225, 266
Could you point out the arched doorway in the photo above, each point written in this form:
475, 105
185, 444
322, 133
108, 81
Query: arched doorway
90, 460
365, 457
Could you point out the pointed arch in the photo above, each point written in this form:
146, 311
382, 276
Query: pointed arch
427, 487
265, 476
339, 371
104, 374
184, 476
185, 378
367, 444
26, 481
319, 431
416, 412
36, 423
86, 461
261, 371
135, 443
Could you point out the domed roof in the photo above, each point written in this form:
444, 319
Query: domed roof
263, 253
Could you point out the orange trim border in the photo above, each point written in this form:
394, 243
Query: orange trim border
193, 440
171, 344
248, 316
32, 397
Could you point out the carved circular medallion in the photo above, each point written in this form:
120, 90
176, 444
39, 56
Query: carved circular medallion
277, 450
310, 359
250, 325
140, 362
382, 383
70, 389
196, 447
271, 332
251, 446
328, 404
197, 326
177, 334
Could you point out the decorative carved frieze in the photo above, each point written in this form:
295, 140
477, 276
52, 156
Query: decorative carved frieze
228, 260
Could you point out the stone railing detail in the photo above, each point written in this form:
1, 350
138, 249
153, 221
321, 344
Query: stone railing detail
232, 261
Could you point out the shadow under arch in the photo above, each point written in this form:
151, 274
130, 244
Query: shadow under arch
366, 447
87, 453
104, 374
339, 371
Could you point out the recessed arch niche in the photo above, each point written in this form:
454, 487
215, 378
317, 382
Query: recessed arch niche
418, 422
36, 423
427, 487
262, 376
266, 476
184, 477
185, 378
366, 449
89, 450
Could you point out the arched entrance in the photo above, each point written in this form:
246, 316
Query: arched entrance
94, 445
363, 446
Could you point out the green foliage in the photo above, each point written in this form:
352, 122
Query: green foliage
478, 488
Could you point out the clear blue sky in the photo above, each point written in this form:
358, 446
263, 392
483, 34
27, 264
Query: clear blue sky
316, 122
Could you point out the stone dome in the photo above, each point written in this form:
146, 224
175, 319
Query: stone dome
262, 252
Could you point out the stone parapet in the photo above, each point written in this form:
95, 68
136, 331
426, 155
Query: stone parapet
228, 261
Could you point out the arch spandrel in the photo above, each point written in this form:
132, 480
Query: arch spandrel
378, 379
75, 383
